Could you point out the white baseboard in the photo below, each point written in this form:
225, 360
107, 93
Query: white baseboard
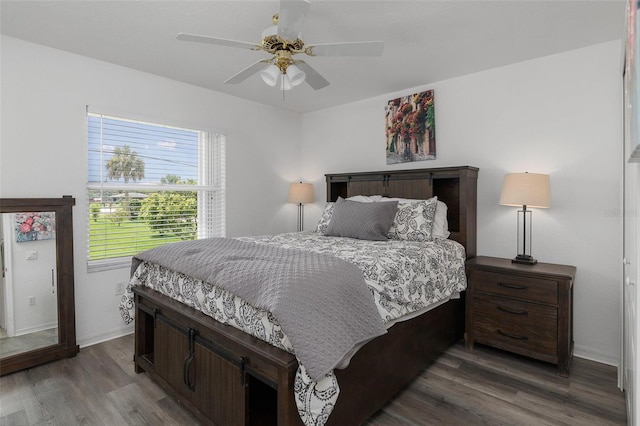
36, 328
590, 354
94, 339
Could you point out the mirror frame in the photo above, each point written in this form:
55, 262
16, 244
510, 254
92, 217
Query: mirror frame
66, 346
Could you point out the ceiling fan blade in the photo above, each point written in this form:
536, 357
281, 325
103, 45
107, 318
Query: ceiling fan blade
291, 17
246, 73
218, 41
358, 48
315, 80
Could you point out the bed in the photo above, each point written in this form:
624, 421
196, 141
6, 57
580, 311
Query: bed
226, 376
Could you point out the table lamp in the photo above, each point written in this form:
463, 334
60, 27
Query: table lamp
526, 190
300, 194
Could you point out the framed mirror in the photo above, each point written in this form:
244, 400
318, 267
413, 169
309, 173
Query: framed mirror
37, 305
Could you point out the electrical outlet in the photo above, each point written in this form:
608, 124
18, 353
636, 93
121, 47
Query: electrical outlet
119, 288
31, 300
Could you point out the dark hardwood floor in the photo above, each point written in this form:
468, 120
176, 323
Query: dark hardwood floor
484, 386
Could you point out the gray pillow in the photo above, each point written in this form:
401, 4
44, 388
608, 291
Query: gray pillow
365, 221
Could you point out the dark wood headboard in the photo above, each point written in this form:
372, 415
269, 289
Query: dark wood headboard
454, 186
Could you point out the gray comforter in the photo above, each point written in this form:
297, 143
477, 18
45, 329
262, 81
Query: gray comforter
321, 302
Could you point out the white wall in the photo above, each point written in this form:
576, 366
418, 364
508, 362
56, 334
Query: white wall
43, 150
560, 115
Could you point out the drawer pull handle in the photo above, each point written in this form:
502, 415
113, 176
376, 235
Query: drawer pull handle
510, 311
513, 336
513, 286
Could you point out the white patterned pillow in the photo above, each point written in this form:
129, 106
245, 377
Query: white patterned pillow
440, 224
324, 220
414, 221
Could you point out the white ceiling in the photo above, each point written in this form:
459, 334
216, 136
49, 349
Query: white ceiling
425, 41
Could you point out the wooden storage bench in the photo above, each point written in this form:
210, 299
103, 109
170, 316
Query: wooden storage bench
184, 350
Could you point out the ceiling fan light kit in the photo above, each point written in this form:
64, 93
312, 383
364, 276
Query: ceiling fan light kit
295, 75
270, 75
285, 84
282, 41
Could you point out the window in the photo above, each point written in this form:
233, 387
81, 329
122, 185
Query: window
150, 184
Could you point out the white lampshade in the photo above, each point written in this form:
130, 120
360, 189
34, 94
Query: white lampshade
301, 193
525, 189
270, 75
285, 83
295, 74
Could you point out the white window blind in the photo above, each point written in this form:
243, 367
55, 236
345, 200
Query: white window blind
150, 184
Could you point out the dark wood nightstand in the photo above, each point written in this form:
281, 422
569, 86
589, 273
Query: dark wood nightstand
525, 309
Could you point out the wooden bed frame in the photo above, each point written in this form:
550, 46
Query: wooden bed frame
227, 377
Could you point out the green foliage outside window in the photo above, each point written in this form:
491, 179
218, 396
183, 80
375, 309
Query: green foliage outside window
172, 213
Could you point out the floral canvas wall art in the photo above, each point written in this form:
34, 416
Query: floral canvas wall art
411, 128
35, 226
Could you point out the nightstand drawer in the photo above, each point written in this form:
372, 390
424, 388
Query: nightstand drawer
514, 325
518, 286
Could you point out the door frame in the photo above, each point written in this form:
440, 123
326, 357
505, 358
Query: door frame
7, 280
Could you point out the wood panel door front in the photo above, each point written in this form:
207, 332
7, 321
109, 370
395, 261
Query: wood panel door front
170, 349
409, 187
219, 388
366, 187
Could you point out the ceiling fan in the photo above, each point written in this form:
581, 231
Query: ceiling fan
283, 42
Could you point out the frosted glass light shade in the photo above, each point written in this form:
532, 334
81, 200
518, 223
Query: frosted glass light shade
526, 189
270, 75
285, 83
296, 75
301, 193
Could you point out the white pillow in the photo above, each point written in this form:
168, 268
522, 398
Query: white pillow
440, 224
365, 198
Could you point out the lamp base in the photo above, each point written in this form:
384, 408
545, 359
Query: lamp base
525, 259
